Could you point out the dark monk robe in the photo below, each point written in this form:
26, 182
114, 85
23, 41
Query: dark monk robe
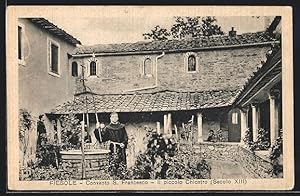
115, 133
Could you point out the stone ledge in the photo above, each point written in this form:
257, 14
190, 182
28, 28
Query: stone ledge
258, 166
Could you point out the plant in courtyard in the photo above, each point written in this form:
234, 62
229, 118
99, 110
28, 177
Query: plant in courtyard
26, 124
275, 153
187, 165
262, 142
116, 168
38, 172
248, 140
48, 154
70, 132
162, 160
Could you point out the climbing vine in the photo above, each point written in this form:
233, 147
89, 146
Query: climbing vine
26, 124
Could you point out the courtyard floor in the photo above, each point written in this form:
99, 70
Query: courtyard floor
227, 170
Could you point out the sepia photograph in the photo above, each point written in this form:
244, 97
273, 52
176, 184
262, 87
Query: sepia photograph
126, 98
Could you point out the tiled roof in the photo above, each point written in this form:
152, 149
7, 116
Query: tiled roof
55, 30
258, 38
147, 102
270, 69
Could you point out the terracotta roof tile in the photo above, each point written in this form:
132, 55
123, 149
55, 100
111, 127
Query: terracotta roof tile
148, 102
53, 29
184, 44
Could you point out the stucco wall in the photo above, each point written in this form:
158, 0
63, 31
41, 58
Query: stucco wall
218, 69
39, 92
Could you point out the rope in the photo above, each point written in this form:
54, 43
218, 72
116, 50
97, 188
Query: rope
114, 145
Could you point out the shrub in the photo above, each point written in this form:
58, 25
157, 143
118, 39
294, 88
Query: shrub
262, 142
70, 132
276, 149
48, 154
275, 153
248, 140
38, 172
187, 166
162, 161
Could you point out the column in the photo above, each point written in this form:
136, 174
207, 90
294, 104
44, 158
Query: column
165, 124
254, 121
158, 127
274, 129
169, 124
244, 123
49, 129
87, 120
200, 127
58, 126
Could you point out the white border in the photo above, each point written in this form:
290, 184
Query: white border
13, 12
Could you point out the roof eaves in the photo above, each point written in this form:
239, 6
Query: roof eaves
55, 30
174, 50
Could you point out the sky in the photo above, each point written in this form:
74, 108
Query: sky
105, 29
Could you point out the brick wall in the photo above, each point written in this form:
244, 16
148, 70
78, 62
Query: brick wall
217, 69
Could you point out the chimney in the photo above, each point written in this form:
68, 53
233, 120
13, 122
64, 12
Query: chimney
232, 33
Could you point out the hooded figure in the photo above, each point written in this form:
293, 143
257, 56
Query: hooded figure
115, 133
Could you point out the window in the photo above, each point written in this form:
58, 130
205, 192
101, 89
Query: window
54, 58
74, 69
20, 43
190, 62
21, 34
234, 118
93, 68
147, 67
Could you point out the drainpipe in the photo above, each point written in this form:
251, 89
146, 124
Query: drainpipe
156, 76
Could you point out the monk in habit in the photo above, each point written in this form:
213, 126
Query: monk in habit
115, 133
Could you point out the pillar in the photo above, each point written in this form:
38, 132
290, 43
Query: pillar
244, 123
254, 121
274, 121
165, 124
169, 125
200, 127
158, 127
87, 120
58, 126
50, 132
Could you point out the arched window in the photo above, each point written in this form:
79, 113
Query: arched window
191, 63
93, 68
74, 69
147, 67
